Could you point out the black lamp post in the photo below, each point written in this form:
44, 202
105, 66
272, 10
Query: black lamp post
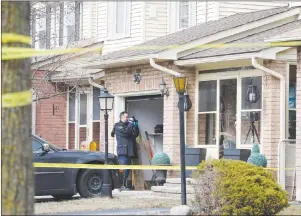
180, 84
106, 101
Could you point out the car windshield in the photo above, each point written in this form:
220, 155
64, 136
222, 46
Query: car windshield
40, 140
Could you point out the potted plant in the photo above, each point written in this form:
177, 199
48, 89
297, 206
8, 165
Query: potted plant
161, 159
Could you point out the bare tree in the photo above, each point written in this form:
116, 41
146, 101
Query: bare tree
17, 164
53, 14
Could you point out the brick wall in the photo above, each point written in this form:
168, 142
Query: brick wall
298, 127
271, 107
120, 80
51, 112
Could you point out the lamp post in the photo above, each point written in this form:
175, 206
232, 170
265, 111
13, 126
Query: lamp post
106, 101
180, 84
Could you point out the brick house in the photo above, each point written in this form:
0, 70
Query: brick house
217, 77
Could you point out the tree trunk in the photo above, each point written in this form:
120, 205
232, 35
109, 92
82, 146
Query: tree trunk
16, 162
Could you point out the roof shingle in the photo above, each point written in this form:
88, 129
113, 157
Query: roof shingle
255, 38
194, 33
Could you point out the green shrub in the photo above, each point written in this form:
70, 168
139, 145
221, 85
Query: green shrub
256, 158
228, 187
161, 158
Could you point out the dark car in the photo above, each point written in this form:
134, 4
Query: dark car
63, 183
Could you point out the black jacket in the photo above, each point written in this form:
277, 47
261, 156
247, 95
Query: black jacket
126, 135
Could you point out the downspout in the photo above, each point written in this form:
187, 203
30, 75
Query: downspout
163, 69
281, 179
96, 85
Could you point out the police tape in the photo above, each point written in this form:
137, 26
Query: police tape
10, 53
15, 38
16, 99
115, 167
122, 167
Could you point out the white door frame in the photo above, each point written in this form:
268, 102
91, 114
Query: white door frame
89, 125
222, 76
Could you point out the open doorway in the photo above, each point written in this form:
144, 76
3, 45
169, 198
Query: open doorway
148, 110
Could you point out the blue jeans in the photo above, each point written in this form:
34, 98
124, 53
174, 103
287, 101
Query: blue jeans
125, 160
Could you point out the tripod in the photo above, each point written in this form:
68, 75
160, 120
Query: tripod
252, 129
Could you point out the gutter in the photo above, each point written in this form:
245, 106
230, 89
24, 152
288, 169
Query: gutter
281, 178
163, 69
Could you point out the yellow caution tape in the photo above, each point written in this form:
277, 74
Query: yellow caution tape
104, 166
16, 99
15, 38
10, 53
121, 167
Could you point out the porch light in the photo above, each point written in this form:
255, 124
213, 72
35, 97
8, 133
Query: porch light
106, 101
163, 89
180, 84
253, 94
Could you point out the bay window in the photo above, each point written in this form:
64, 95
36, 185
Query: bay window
225, 115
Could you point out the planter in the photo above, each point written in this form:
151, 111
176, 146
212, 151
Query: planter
160, 177
237, 154
193, 157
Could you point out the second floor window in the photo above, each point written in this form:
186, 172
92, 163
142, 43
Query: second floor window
119, 13
69, 23
183, 14
40, 28
120, 17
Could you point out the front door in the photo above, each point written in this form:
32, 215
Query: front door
84, 117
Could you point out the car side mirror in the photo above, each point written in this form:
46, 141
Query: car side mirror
46, 147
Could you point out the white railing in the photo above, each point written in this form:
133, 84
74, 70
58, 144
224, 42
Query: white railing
287, 166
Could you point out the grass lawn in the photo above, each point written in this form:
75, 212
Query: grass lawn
291, 210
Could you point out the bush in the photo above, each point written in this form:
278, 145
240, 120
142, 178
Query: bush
161, 158
227, 187
256, 158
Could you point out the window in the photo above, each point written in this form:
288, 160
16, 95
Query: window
40, 39
250, 112
120, 17
69, 23
183, 14
207, 112
36, 146
225, 115
291, 127
119, 13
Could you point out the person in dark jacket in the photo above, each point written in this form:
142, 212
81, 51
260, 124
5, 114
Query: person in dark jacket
126, 131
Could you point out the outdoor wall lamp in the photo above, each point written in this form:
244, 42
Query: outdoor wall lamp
253, 94
137, 76
163, 88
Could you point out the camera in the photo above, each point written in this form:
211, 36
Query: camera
254, 116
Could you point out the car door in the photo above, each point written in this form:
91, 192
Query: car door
47, 179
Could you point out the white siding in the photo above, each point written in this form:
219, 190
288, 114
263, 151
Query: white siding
87, 20
156, 20
288, 55
230, 8
111, 45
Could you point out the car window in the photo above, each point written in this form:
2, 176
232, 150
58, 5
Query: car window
36, 146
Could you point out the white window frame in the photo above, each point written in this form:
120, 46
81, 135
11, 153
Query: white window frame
40, 25
179, 16
112, 20
66, 23
238, 75
287, 99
